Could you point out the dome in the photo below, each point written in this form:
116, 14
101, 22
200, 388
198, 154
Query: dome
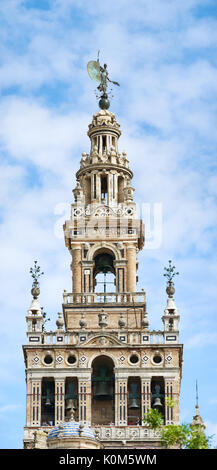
70, 429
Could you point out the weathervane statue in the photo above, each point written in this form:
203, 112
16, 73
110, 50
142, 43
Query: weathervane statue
100, 74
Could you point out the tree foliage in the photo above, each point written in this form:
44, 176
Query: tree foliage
153, 418
183, 436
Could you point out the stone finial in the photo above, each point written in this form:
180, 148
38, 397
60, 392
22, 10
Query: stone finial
122, 322
82, 322
60, 321
81, 429
103, 319
145, 321
72, 414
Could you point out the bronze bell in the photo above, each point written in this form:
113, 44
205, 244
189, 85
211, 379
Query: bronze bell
102, 391
47, 398
134, 405
157, 403
69, 404
48, 402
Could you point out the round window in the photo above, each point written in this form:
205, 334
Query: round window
134, 359
71, 359
48, 359
157, 359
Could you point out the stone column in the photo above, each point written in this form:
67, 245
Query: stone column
59, 400
145, 397
84, 400
95, 188
121, 402
172, 392
33, 415
131, 268
76, 268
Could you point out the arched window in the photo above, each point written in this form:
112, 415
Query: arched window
48, 402
103, 391
134, 401
158, 394
104, 272
71, 393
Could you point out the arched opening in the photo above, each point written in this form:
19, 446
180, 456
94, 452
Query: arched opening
104, 272
48, 402
71, 395
104, 189
158, 395
120, 189
103, 391
134, 401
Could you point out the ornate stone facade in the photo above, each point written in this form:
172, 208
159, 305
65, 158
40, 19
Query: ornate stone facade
103, 360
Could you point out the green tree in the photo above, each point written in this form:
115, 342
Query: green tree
153, 418
175, 435
198, 439
183, 436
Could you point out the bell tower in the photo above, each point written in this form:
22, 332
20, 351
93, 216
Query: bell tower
104, 234
103, 361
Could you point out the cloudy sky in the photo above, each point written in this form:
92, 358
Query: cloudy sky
163, 54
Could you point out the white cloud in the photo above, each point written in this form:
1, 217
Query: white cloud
166, 108
200, 340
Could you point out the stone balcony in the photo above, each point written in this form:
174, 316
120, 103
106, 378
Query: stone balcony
104, 297
125, 433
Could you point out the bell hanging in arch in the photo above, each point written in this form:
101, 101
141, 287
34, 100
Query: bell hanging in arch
102, 391
157, 403
134, 405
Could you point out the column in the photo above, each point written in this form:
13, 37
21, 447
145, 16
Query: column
169, 394
59, 400
145, 397
95, 188
87, 276
121, 402
84, 400
172, 391
76, 269
131, 268
33, 415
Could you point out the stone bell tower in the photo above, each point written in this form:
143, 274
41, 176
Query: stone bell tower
103, 361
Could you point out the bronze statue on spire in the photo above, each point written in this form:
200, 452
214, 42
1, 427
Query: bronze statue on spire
100, 74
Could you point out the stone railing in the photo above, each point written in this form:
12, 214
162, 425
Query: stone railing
104, 297
75, 338
125, 433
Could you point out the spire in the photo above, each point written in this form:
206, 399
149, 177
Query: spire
197, 420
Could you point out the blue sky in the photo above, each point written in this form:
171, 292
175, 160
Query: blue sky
163, 54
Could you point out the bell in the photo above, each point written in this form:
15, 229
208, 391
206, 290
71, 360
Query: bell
134, 405
133, 394
104, 263
69, 404
102, 391
47, 398
157, 403
48, 402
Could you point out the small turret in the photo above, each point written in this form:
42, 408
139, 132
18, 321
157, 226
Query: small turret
34, 318
170, 318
